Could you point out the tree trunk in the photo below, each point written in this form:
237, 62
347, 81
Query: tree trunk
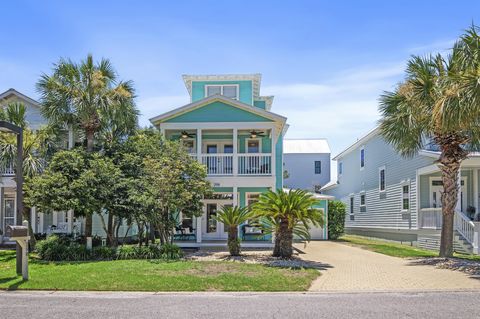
110, 237
90, 140
233, 241
449, 163
285, 241
88, 225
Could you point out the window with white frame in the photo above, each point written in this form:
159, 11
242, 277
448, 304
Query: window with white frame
252, 198
230, 91
381, 179
362, 157
363, 205
405, 197
340, 168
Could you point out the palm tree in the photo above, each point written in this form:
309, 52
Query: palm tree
232, 218
87, 96
36, 147
287, 213
439, 102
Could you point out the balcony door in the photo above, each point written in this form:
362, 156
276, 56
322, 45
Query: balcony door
212, 160
436, 189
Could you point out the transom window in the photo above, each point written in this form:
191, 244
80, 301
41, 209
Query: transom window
318, 167
230, 91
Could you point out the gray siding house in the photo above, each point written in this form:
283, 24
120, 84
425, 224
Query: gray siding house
392, 197
306, 163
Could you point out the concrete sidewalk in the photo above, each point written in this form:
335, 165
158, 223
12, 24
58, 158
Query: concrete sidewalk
356, 269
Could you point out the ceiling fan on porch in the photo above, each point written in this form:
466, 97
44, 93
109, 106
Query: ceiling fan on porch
185, 134
254, 134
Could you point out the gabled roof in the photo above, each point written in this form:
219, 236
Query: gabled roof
220, 98
8, 93
359, 142
255, 78
268, 101
305, 146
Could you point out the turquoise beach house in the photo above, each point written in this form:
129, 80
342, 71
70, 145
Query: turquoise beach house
228, 127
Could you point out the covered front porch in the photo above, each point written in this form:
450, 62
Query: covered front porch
248, 150
467, 217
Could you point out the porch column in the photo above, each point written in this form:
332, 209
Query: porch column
475, 189
198, 230
2, 208
476, 238
33, 218
235, 154
235, 196
459, 198
199, 145
55, 218
70, 221
274, 146
40, 223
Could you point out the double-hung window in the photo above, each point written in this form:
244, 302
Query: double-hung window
340, 168
405, 197
363, 206
230, 91
352, 201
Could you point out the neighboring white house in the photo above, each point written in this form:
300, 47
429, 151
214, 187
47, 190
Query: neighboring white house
392, 197
306, 163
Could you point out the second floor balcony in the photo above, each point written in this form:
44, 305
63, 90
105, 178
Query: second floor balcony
230, 152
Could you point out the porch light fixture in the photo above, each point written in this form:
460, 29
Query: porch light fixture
6, 127
184, 135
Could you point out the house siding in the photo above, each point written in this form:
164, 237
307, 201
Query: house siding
301, 170
383, 210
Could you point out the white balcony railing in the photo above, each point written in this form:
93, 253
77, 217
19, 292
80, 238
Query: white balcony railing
218, 164
248, 164
254, 164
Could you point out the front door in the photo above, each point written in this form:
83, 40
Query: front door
436, 189
211, 228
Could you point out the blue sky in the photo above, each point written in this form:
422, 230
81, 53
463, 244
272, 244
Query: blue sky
326, 62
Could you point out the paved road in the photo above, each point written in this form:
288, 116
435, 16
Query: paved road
73, 305
350, 268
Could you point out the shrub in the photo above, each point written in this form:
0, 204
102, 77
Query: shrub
106, 253
170, 252
56, 248
336, 219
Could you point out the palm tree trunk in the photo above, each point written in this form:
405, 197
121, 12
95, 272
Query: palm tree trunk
90, 139
285, 240
233, 241
449, 163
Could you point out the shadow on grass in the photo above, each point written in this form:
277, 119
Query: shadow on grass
13, 282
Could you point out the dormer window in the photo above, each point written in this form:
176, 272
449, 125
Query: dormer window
230, 91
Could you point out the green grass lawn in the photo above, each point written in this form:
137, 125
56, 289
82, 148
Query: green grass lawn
395, 249
152, 275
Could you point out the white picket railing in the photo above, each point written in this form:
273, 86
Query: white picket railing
431, 218
218, 164
464, 226
254, 164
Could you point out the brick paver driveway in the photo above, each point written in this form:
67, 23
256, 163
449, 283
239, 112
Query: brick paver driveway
350, 268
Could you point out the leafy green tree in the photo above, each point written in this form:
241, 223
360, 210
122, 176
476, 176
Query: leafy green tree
439, 102
88, 96
232, 218
287, 213
336, 219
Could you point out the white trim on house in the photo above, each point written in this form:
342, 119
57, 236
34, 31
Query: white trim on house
9, 92
255, 78
214, 98
363, 140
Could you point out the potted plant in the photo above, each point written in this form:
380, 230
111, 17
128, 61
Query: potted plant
471, 212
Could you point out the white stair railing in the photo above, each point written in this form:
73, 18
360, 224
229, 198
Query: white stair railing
464, 226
